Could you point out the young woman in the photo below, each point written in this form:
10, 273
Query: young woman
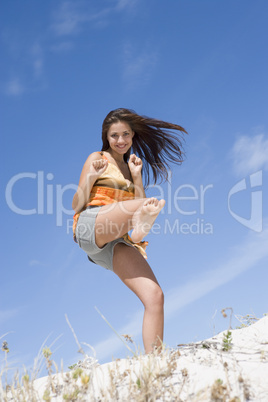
110, 201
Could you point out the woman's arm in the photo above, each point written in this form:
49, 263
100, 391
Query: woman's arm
139, 189
135, 166
92, 169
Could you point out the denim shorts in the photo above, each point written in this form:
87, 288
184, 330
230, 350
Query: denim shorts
85, 236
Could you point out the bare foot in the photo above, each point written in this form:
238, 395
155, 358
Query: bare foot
144, 218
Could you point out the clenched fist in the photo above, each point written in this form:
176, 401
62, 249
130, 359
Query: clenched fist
135, 165
98, 167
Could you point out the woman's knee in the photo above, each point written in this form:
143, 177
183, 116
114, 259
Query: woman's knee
155, 298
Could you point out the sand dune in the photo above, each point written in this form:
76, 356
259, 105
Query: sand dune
201, 371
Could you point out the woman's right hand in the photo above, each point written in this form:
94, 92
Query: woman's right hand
98, 167
92, 169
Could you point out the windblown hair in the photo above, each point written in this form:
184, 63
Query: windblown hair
152, 142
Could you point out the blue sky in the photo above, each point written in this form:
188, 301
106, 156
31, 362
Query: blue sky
65, 65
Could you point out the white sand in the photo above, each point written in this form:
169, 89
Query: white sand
185, 374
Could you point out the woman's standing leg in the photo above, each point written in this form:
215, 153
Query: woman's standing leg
136, 273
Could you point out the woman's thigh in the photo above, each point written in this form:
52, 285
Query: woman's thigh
135, 272
114, 220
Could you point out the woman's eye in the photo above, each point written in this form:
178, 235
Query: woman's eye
126, 134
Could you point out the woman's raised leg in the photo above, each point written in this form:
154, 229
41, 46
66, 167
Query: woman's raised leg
136, 273
116, 219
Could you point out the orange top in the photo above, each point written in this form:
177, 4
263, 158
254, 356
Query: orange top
109, 188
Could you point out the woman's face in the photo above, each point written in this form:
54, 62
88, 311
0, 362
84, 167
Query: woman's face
120, 137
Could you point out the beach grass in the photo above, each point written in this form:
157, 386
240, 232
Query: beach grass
164, 375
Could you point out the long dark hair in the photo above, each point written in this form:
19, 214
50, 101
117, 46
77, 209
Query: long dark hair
151, 142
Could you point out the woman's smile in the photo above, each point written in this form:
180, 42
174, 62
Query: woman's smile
120, 137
